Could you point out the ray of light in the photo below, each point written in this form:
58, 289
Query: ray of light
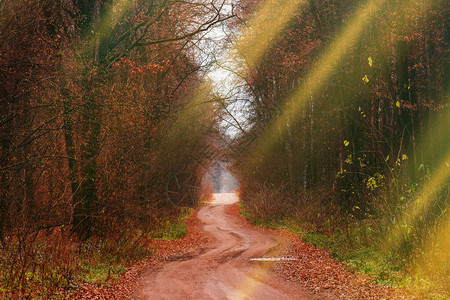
270, 19
104, 26
436, 255
191, 121
425, 196
317, 78
321, 72
254, 41
250, 285
423, 201
115, 13
253, 281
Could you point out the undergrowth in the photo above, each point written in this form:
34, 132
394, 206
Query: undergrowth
174, 229
355, 244
51, 262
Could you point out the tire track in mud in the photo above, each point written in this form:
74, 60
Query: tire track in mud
223, 270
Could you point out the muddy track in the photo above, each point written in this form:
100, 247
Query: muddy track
224, 269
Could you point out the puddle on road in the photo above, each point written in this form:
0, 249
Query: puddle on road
272, 258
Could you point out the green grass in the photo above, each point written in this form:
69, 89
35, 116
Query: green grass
174, 229
102, 273
356, 246
104, 267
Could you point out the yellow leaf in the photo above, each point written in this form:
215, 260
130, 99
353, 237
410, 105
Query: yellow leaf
397, 104
365, 79
387, 158
446, 163
346, 143
404, 157
370, 61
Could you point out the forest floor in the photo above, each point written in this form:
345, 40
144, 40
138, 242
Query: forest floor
223, 256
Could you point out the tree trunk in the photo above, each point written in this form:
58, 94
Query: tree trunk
86, 200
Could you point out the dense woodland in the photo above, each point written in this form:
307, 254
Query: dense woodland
91, 130
354, 140
104, 105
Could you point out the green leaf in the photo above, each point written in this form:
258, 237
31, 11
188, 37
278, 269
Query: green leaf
404, 157
387, 158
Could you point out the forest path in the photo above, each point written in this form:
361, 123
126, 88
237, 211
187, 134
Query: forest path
224, 269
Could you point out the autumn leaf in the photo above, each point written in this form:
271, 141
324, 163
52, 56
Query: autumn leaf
365, 79
370, 61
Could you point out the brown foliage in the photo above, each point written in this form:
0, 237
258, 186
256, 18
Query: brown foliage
87, 104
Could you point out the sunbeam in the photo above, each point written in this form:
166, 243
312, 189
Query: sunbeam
434, 257
317, 78
121, 122
264, 28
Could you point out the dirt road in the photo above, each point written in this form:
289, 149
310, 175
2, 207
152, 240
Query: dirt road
233, 266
